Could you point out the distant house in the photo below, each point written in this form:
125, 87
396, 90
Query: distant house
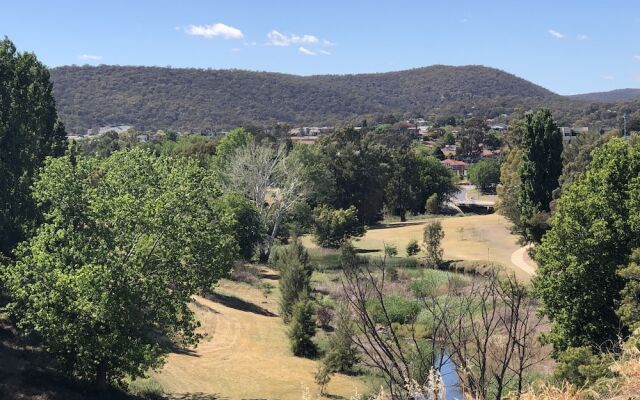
449, 150
498, 127
459, 167
569, 133
304, 139
486, 153
110, 128
311, 131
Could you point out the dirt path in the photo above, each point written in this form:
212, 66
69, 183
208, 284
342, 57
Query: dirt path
245, 353
520, 259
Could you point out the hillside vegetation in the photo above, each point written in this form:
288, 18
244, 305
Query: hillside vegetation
197, 99
612, 96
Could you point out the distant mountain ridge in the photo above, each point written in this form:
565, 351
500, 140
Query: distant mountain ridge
199, 99
612, 96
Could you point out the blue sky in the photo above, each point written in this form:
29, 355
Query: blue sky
566, 46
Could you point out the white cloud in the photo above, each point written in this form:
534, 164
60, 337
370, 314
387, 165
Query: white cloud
326, 53
219, 29
555, 34
328, 43
89, 57
582, 37
307, 51
464, 20
280, 39
637, 56
235, 50
608, 77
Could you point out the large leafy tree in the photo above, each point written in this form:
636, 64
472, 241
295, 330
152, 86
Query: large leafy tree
412, 178
541, 145
125, 243
29, 131
358, 165
595, 228
485, 175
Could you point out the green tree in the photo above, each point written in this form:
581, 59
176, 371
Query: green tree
246, 223
510, 186
303, 327
295, 267
541, 145
342, 355
125, 243
432, 237
629, 310
594, 230
576, 157
29, 131
331, 228
228, 146
413, 248
485, 175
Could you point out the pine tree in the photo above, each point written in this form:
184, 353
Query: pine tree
342, 355
295, 275
303, 327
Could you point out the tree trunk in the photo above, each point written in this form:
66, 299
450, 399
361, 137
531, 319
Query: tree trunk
403, 215
101, 377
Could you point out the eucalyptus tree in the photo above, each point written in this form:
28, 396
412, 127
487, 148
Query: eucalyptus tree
266, 175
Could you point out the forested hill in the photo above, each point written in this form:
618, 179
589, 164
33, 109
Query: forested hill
612, 96
197, 99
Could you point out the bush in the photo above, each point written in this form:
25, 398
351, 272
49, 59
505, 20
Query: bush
580, 367
324, 316
332, 227
390, 250
399, 309
413, 248
433, 204
147, 388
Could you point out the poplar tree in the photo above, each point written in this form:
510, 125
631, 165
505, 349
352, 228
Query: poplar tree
29, 131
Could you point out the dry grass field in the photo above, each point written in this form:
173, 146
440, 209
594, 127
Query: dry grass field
468, 238
245, 353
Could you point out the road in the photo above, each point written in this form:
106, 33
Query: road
462, 197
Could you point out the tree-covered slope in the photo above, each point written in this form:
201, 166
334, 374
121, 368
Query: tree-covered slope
613, 96
197, 99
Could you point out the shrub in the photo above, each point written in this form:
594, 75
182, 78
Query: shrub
433, 204
332, 227
580, 367
399, 309
324, 315
390, 250
413, 248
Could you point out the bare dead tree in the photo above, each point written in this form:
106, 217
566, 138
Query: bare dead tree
487, 329
270, 179
394, 356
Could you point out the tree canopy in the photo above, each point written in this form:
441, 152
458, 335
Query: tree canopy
126, 241
595, 228
29, 131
